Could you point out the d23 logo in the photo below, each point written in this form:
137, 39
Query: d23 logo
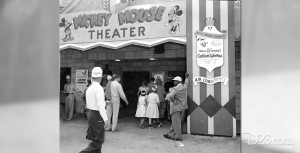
210, 46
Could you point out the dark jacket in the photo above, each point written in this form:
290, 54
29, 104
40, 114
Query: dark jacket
108, 91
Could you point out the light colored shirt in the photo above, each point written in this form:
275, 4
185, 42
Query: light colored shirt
95, 99
70, 88
116, 92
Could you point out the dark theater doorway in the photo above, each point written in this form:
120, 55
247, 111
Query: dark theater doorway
131, 81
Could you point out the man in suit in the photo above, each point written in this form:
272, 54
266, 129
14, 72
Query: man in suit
178, 104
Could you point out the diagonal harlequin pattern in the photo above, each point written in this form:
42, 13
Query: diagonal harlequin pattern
230, 106
210, 106
223, 123
191, 105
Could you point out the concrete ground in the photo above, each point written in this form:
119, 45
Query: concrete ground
132, 139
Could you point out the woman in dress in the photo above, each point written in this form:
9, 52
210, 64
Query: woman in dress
152, 108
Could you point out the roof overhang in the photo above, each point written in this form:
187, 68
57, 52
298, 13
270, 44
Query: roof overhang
120, 44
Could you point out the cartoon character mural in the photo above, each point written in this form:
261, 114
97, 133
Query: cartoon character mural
64, 23
174, 19
202, 42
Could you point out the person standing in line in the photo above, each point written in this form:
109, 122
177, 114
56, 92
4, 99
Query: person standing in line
108, 97
69, 90
151, 83
143, 87
162, 104
178, 105
108, 89
97, 118
152, 107
113, 108
84, 98
168, 85
141, 107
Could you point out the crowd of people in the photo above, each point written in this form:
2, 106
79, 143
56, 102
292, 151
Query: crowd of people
102, 105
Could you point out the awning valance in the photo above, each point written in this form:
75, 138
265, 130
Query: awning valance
120, 44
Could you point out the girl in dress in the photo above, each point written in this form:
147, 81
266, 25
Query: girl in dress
143, 87
141, 107
152, 108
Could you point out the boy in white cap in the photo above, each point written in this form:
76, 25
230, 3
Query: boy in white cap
97, 118
178, 104
69, 90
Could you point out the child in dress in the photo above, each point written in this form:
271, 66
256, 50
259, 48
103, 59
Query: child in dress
152, 108
141, 107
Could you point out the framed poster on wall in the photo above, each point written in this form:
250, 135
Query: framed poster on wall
159, 75
81, 78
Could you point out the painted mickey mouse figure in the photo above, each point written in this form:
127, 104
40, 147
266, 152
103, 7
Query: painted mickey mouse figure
174, 19
64, 23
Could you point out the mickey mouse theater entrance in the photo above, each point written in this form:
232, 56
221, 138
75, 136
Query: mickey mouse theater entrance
133, 63
197, 37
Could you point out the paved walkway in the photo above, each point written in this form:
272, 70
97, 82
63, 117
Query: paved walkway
132, 139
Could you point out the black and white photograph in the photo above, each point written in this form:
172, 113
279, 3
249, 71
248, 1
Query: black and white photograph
141, 76
149, 76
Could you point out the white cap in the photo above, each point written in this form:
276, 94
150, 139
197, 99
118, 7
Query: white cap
154, 88
109, 77
97, 72
68, 77
177, 78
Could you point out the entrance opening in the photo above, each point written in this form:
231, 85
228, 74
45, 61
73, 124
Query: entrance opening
131, 82
64, 71
135, 64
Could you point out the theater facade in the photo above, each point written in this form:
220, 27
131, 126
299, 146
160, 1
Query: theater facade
139, 39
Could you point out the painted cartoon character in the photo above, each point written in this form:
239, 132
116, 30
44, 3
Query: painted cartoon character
64, 23
174, 19
202, 42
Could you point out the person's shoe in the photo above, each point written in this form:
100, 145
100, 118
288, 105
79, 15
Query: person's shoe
141, 126
68, 119
107, 129
176, 139
113, 131
150, 127
159, 125
167, 136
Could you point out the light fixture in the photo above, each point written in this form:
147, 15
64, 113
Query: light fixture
152, 59
117, 60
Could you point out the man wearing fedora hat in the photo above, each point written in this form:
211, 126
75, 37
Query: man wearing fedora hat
97, 118
178, 104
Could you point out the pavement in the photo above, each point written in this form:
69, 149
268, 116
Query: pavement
131, 139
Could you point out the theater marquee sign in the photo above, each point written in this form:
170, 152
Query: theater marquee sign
134, 22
